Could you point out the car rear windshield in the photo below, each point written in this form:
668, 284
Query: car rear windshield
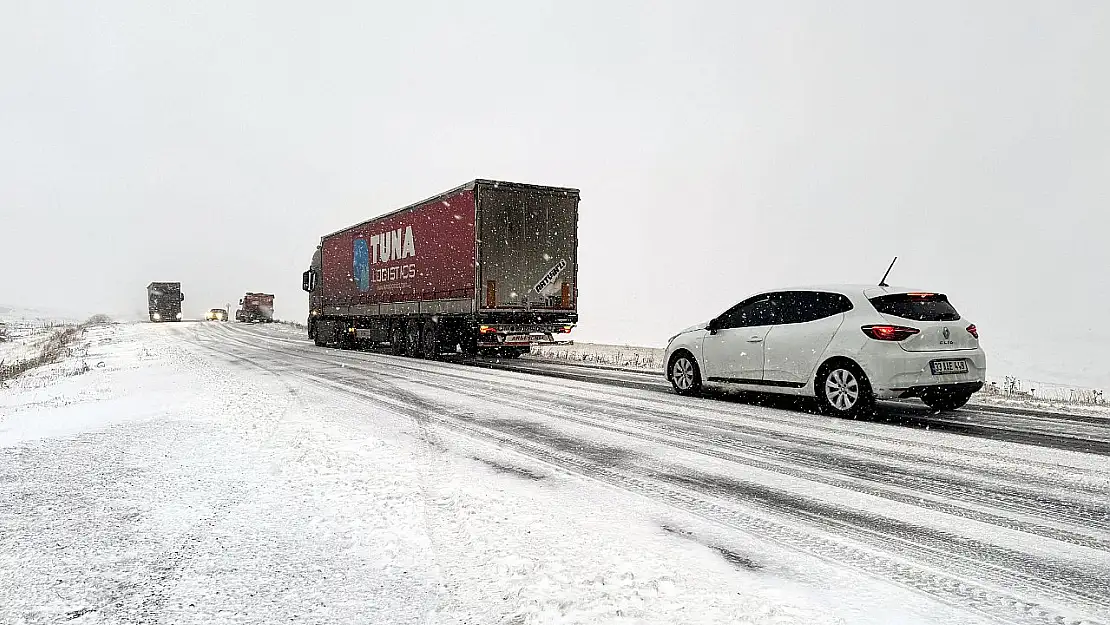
916, 306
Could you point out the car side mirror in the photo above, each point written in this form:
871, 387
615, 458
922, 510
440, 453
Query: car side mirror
240, 302
183, 297
713, 325
305, 284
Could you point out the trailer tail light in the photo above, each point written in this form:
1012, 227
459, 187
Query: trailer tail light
491, 294
487, 330
565, 329
889, 333
973, 331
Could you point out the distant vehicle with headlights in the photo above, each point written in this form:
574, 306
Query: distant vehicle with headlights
845, 345
216, 314
256, 307
164, 301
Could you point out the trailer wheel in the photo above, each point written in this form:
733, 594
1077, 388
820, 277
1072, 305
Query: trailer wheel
412, 342
397, 340
430, 340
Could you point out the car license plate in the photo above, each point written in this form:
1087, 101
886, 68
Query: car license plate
518, 338
946, 367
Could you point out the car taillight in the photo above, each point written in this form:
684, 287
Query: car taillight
973, 331
487, 330
889, 333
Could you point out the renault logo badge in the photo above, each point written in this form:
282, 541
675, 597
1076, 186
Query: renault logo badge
946, 333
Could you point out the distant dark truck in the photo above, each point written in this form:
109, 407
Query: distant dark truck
164, 301
487, 267
256, 307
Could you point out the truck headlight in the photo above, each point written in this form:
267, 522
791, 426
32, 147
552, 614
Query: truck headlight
157, 316
179, 316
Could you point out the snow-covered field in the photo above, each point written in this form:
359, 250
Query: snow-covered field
17, 315
23, 342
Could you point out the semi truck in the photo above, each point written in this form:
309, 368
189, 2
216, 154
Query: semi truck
488, 267
164, 301
256, 307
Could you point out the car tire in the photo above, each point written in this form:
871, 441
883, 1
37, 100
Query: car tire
843, 390
684, 373
946, 401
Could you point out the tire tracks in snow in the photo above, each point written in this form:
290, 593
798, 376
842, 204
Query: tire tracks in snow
941, 546
955, 590
905, 476
900, 416
168, 570
707, 503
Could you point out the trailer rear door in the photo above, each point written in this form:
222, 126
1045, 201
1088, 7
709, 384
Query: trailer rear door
528, 250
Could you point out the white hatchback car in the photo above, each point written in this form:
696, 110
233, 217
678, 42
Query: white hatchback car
846, 345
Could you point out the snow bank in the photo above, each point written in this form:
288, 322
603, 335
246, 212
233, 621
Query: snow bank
623, 356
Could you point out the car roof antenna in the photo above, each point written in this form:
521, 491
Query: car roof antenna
883, 281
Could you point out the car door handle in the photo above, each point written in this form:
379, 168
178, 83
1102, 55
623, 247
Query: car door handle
755, 339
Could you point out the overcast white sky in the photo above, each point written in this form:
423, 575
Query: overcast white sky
721, 148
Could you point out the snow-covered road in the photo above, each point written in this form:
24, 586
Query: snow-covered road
221, 473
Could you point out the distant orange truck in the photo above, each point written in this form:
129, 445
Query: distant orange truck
256, 307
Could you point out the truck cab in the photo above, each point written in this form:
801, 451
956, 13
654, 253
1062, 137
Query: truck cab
164, 301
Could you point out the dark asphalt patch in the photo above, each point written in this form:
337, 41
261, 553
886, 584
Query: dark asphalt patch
927, 541
735, 559
596, 453
511, 470
76, 614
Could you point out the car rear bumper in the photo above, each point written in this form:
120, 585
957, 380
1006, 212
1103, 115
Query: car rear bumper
910, 375
957, 388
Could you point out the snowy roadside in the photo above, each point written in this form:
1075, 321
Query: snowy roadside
24, 341
167, 484
617, 356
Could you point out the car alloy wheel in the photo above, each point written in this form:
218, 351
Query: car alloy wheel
685, 375
842, 390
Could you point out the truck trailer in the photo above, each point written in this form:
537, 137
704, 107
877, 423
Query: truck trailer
487, 267
164, 301
256, 307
